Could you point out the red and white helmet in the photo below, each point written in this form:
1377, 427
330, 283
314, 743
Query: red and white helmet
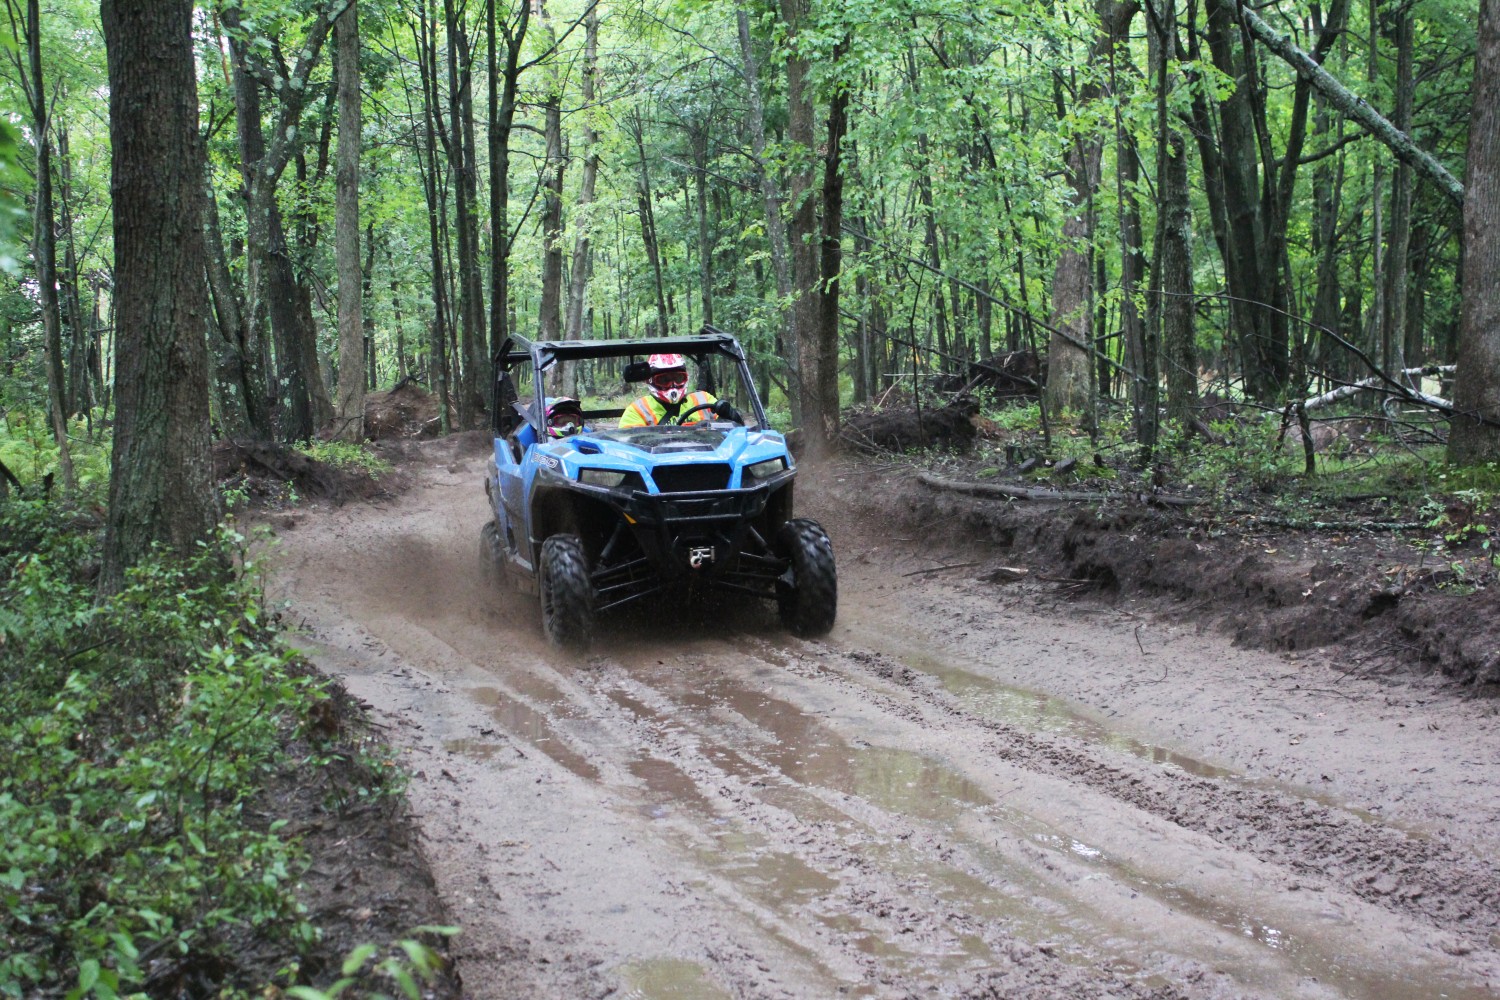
668, 378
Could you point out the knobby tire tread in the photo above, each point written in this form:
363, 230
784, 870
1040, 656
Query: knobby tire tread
567, 592
808, 607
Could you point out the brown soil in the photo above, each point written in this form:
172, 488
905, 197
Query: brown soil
1169, 759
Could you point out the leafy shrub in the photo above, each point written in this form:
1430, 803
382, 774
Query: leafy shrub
28, 450
346, 455
134, 732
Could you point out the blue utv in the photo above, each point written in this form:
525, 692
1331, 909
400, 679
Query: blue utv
608, 517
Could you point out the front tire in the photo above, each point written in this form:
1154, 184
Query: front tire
567, 593
809, 600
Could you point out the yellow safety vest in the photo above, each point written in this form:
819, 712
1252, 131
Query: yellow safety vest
648, 410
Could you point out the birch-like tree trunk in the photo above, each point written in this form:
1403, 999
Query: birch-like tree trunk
771, 197
44, 247
349, 400
578, 276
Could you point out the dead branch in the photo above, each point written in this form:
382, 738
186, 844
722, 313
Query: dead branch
1045, 495
940, 569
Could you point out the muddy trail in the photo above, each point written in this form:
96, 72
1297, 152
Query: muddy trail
966, 790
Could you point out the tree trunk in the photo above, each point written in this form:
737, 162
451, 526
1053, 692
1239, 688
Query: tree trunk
578, 276
549, 321
367, 319
771, 196
821, 408
705, 237
79, 397
648, 226
349, 400
1139, 356
44, 249
1398, 245
1069, 372
270, 282
238, 375
503, 83
459, 145
1250, 268
437, 349
1327, 186
1475, 436
802, 230
161, 479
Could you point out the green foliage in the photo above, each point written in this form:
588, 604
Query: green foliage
1244, 452
408, 962
12, 203
27, 448
346, 455
136, 730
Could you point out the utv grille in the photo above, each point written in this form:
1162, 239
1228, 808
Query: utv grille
691, 478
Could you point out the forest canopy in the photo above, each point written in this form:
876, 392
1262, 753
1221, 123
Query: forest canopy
1160, 204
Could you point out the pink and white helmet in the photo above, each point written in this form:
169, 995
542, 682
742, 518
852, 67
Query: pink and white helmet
668, 378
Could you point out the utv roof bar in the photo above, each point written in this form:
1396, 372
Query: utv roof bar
547, 352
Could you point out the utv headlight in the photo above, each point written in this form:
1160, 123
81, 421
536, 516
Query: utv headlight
607, 478
765, 470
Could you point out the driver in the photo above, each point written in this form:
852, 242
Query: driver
669, 397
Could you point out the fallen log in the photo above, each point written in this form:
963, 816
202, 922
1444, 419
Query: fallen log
1055, 496
1379, 383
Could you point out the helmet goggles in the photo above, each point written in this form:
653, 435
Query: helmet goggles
671, 379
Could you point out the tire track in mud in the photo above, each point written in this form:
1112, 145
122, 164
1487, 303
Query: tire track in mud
954, 850
878, 886
1421, 877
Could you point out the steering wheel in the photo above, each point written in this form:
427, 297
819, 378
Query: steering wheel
682, 417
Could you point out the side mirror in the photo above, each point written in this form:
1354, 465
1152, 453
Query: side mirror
637, 371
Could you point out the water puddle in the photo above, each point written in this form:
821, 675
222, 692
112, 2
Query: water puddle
668, 790
667, 979
775, 879
1037, 712
807, 751
527, 724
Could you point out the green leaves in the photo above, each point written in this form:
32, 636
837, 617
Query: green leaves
132, 732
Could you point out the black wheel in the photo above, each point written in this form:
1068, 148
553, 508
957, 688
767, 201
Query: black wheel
490, 553
567, 593
809, 601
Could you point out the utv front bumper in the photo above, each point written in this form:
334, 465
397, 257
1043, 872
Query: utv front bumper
705, 539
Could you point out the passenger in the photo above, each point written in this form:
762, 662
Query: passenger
669, 397
564, 417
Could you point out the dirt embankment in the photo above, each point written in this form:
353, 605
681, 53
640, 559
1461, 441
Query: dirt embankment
970, 788
1384, 603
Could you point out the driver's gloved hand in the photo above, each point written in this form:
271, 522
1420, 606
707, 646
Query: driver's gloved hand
724, 410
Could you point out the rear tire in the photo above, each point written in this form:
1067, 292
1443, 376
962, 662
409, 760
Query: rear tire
490, 553
566, 591
809, 603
